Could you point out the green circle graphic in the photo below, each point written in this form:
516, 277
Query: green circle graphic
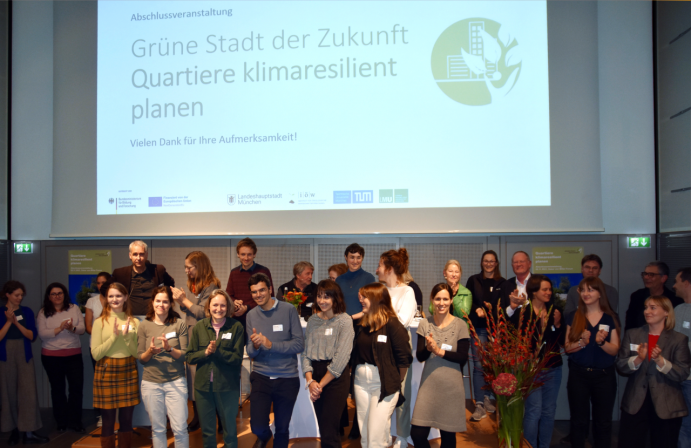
473, 63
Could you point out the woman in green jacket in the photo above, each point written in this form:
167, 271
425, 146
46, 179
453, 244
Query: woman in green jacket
216, 348
462, 298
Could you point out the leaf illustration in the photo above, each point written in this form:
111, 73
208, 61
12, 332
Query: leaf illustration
505, 36
513, 56
475, 63
491, 46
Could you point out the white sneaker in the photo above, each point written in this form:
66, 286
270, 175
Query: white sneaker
99, 421
479, 413
400, 443
489, 407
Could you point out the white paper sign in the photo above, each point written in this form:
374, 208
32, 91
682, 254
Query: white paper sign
20, 318
634, 347
171, 335
381, 338
329, 332
227, 336
687, 324
446, 347
278, 327
604, 327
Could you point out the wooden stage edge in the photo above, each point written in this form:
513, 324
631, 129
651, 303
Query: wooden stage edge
482, 434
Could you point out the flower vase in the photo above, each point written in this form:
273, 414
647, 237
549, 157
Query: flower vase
510, 412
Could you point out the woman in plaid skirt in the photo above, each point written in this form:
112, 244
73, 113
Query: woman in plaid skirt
116, 381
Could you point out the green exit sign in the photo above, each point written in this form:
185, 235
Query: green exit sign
23, 248
638, 242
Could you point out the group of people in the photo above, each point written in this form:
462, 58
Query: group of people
357, 342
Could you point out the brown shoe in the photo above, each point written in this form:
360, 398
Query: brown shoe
108, 442
124, 439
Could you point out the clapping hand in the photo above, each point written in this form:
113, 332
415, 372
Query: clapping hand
480, 312
211, 348
116, 328
164, 340
586, 337
178, 295
240, 308
600, 336
655, 356
642, 351
432, 345
259, 340
517, 299
152, 348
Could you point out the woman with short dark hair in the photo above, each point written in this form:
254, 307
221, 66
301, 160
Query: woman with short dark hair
328, 344
60, 323
19, 410
162, 341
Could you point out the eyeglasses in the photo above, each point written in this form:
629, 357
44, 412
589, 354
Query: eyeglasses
57, 294
649, 274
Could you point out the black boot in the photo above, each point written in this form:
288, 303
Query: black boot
355, 430
194, 424
14, 437
261, 443
31, 438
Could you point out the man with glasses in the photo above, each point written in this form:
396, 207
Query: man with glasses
591, 267
654, 278
275, 339
513, 295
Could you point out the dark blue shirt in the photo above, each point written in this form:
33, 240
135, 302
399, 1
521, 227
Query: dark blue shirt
593, 356
350, 284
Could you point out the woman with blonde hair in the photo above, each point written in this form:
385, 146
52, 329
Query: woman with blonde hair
380, 358
216, 348
592, 343
116, 380
657, 360
462, 297
201, 282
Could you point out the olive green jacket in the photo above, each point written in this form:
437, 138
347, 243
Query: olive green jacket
225, 362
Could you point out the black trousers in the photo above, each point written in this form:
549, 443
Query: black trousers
97, 411
67, 410
596, 386
333, 397
645, 424
419, 435
282, 393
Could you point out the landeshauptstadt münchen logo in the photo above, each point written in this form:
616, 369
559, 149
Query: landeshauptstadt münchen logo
476, 61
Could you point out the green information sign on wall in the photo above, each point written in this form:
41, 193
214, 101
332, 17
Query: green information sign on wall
555, 260
638, 242
23, 248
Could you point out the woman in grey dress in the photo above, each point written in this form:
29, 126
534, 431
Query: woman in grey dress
201, 281
443, 343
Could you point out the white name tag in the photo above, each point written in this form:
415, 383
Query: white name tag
553, 329
604, 327
20, 318
329, 331
278, 327
125, 326
273, 377
687, 324
381, 338
634, 347
171, 335
491, 288
309, 305
446, 347
227, 336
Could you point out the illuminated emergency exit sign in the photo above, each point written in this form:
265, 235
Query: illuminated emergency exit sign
23, 248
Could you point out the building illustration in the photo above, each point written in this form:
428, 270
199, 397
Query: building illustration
458, 69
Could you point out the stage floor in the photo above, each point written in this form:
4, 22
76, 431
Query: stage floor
479, 434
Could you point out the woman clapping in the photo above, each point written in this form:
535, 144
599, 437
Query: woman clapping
162, 341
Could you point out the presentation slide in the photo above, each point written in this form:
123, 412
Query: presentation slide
271, 106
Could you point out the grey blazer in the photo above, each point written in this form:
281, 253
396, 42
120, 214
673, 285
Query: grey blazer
665, 385
196, 313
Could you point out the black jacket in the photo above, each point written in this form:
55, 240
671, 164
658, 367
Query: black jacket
553, 338
474, 284
389, 356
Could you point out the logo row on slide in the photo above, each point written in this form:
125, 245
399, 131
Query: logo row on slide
386, 196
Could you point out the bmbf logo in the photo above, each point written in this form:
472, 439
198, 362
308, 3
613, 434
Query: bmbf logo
232, 199
111, 200
363, 196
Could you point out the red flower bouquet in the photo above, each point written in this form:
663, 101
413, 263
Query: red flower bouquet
295, 298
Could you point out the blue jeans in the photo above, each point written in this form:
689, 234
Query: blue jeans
478, 377
685, 433
540, 408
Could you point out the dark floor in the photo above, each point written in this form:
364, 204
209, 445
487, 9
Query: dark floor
65, 440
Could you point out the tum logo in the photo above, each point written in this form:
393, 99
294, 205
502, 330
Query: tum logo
363, 196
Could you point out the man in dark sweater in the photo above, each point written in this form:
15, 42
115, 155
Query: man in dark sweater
654, 276
275, 339
302, 282
237, 287
354, 279
141, 277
